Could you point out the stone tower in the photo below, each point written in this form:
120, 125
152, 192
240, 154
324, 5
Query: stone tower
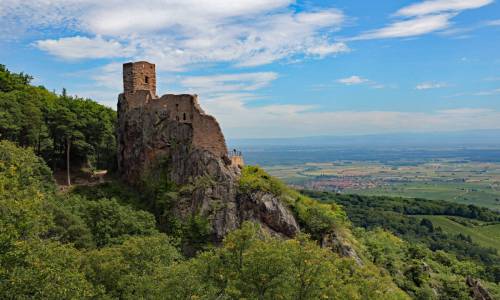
139, 76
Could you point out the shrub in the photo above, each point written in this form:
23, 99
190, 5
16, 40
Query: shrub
255, 179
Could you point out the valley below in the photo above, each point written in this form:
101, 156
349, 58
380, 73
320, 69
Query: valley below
466, 176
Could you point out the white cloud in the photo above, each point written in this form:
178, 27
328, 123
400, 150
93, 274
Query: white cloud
241, 120
461, 32
439, 6
352, 80
407, 28
79, 47
323, 50
177, 34
430, 85
225, 83
488, 93
422, 18
119, 17
493, 23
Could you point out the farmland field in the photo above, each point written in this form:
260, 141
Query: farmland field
467, 182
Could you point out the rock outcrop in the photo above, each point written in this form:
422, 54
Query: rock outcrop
335, 242
175, 132
477, 290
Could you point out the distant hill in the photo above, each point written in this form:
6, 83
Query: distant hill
472, 138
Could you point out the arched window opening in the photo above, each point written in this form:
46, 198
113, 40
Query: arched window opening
184, 116
146, 79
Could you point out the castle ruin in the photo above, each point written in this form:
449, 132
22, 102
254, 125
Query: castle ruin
171, 141
139, 85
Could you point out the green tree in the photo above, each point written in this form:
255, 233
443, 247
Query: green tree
135, 269
109, 222
66, 131
43, 270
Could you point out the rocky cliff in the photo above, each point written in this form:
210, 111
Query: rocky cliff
173, 133
150, 134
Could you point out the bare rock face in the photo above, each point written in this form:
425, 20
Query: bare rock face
174, 132
267, 209
338, 244
477, 290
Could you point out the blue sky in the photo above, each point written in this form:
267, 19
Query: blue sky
276, 68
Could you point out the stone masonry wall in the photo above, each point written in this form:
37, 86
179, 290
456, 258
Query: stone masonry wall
139, 83
139, 76
207, 133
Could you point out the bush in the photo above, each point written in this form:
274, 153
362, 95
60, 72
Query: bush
25, 186
135, 269
109, 222
43, 270
318, 218
255, 179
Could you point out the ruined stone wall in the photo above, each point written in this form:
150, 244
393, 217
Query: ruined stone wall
140, 98
207, 133
139, 76
180, 107
143, 117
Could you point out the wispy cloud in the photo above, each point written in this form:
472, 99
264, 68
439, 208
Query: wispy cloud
407, 28
465, 31
225, 83
242, 120
352, 80
430, 85
493, 22
488, 93
357, 80
79, 47
439, 6
494, 78
422, 18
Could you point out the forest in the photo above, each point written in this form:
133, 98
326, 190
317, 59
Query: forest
397, 216
112, 241
64, 130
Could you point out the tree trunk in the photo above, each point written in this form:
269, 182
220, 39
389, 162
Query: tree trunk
39, 143
68, 145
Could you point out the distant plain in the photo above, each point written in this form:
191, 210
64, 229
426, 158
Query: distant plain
468, 174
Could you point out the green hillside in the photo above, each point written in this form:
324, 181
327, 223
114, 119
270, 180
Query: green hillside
484, 235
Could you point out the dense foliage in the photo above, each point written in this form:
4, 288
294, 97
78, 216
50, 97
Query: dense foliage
422, 273
69, 246
56, 124
389, 213
253, 265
